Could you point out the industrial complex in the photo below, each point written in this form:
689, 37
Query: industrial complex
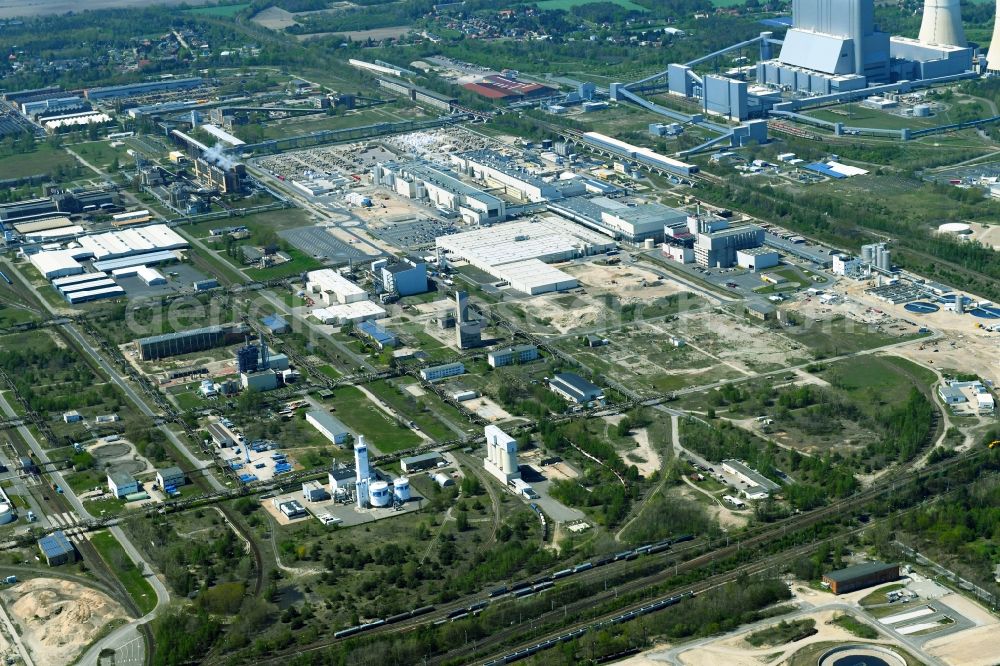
494, 335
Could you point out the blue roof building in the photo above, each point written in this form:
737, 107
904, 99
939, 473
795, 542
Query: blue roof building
575, 388
275, 323
380, 336
57, 549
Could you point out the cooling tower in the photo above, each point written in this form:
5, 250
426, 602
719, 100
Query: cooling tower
993, 56
942, 23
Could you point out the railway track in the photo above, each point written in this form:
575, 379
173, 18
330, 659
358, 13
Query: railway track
699, 558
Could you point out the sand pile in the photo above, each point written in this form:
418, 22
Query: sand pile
59, 618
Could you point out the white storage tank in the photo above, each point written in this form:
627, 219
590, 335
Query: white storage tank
7, 514
401, 489
921, 110
379, 494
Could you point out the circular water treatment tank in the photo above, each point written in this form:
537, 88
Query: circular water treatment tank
956, 228
861, 655
6, 513
401, 489
379, 494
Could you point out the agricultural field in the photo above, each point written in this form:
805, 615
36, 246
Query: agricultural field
218, 11
552, 5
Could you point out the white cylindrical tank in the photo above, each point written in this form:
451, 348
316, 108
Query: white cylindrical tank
7, 514
401, 489
959, 303
956, 228
867, 254
379, 494
649, 244
921, 110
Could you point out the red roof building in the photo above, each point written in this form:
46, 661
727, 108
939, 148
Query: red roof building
503, 88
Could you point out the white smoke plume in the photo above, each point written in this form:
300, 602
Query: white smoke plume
217, 155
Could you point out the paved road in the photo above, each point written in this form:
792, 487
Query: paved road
673, 655
126, 633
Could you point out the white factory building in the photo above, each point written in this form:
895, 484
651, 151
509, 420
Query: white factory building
517, 252
330, 287
113, 249
442, 188
349, 313
501, 455
497, 171
328, 426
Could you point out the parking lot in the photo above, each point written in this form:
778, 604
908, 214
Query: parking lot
415, 233
258, 460
320, 243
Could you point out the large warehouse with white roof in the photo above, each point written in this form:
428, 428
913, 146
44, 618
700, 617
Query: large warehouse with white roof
517, 252
114, 249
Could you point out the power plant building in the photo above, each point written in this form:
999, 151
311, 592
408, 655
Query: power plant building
834, 46
718, 248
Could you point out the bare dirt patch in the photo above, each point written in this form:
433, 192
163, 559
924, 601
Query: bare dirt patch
59, 618
275, 18
986, 234
644, 450
630, 283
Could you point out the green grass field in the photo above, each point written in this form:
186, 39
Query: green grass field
361, 415
416, 409
130, 576
44, 159
300, 262
552, 5
219, 11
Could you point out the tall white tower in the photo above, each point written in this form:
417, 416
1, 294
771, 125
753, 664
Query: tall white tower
993, 56
362, 473
942, 23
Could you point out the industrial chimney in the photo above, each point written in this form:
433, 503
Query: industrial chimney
942, 23
993, 56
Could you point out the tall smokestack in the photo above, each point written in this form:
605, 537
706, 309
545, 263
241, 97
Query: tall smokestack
942, 23
993, 56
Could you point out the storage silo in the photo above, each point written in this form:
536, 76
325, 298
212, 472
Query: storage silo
401, 489
867, 254
7, 514
379, 494
959, 304
885, 259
